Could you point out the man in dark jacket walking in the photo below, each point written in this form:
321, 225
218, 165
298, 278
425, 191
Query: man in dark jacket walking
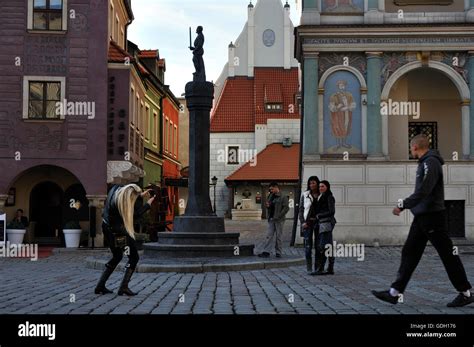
427, 205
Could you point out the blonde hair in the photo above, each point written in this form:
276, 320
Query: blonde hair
125, 199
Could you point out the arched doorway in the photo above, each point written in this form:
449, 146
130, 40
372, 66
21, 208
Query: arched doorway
46, 202
443, 96
44, 192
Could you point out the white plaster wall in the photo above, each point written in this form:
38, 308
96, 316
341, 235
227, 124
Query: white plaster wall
367, 192
278, 129
221, 170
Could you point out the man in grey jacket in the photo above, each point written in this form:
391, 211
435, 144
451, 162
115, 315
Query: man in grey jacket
429, 224
277, 207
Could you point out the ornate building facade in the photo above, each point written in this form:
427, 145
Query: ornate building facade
375, 74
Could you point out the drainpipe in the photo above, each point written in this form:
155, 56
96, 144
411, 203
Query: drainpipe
300, 169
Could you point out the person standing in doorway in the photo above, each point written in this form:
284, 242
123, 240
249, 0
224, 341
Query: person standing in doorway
429, 223
307, 217
277, 207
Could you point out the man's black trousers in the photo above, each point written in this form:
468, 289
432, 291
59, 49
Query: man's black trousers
432, 227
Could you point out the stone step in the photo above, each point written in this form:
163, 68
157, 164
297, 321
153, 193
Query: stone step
187, 251
177, 238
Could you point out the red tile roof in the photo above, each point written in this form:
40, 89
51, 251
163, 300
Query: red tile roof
148, 53
273, 93
235, 110
117, 54
281, 85
274, 163
242, 102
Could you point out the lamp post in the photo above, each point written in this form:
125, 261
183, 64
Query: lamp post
214, 183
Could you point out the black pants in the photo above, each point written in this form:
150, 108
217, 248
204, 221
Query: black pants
310, 236
432, 227
117, 252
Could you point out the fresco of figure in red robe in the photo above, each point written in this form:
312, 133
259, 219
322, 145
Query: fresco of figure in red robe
341, 106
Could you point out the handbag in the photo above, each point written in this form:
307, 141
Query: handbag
120, 241
325, 227
119, 237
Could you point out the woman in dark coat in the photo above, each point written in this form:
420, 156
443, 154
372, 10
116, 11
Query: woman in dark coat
325, 211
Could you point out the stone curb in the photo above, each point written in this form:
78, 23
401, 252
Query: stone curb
98, 264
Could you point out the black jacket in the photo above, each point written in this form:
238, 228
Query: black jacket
429, 189
111, 215
326, 208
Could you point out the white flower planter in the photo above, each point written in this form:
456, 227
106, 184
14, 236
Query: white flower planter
72, 237
15, 236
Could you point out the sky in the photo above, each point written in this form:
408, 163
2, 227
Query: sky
164, 24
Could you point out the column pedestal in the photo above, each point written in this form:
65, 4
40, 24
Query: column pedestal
199, 233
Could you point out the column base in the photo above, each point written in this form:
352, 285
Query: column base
470, 16
377, 157
373, 17
311, 17
199, 224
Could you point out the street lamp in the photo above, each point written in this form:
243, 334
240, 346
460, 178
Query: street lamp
214, 183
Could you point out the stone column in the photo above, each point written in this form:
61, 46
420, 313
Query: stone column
374, 91
98, 201
311, 13
3, 201
199, 216
469, 11
471, 104
311, 105
374, 14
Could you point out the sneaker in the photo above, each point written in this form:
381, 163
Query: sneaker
264, 255
385, 296
461, 300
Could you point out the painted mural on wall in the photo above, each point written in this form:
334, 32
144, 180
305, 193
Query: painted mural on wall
342, 114
343, 6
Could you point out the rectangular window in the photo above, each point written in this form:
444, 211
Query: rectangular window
165, 136
132, 105
155, 129
273, 107
122, 38
111, 20
233, 155
117, 28
47, 15
141, 116
170, 137
175, 141
147, 123
137, 110
43, 97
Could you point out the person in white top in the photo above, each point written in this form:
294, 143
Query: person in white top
307, 217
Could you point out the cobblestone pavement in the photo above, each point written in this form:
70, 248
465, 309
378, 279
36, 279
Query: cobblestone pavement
61, 284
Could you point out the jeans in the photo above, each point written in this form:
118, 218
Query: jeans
117, 253
324, 239
310, 236
430, 227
